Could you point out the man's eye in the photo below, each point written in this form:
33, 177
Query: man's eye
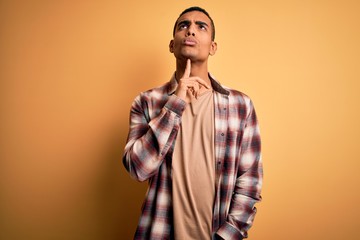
202, 27
183, 26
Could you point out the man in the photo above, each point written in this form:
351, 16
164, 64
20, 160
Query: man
198, 145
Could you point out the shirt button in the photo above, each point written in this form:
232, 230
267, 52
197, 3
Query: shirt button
222, 134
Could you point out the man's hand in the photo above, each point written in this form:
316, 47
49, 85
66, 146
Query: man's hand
189, 87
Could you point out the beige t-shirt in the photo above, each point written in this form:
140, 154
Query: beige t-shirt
193, 170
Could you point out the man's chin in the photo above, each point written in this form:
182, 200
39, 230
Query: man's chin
188, 55
184, 55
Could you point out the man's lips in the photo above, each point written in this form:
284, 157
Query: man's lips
189, 42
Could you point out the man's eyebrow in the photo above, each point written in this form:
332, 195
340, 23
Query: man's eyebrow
183, 22
187, 22
201, 23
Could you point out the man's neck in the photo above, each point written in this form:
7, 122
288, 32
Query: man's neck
198, 69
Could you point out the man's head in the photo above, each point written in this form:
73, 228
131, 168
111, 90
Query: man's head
199, 9
193, 36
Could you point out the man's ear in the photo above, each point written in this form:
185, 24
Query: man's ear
213, 48
171, 46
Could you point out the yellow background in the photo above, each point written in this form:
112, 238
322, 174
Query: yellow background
69, 71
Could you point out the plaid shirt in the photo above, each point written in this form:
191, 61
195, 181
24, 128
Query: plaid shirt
155, 119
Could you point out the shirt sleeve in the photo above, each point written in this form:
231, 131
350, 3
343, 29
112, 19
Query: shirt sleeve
150, 139
248, 183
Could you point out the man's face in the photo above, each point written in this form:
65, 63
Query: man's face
192, 38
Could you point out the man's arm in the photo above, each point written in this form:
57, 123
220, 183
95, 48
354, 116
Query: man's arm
248, 183
149, 142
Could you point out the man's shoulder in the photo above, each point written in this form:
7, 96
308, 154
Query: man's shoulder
237, 95
232, 93
157, 91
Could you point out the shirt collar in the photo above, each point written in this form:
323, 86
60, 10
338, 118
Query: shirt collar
214, 83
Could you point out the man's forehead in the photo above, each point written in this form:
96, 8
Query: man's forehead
195, 16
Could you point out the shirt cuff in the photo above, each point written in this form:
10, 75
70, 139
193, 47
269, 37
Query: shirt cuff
227, 231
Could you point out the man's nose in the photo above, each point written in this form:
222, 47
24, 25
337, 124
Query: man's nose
190, 31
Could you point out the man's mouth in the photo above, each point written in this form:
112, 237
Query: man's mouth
189, 42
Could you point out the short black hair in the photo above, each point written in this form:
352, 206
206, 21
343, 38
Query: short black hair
199, 9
